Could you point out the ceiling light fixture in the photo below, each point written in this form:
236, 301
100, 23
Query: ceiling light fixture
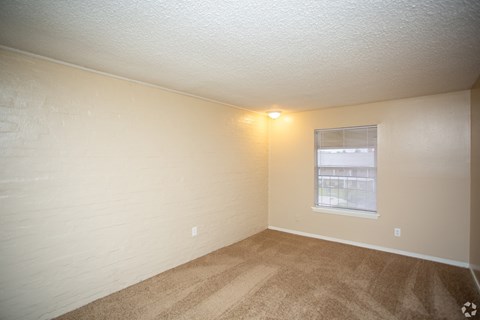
274, 114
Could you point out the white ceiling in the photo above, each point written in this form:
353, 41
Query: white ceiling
259, 55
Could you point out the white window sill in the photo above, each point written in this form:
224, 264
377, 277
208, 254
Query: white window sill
347, 212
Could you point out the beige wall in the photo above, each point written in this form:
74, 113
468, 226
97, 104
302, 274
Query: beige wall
475, 183
101, 181
423, 174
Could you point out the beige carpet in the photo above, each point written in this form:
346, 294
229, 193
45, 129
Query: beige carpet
275, 275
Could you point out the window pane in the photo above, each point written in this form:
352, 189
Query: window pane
346, 167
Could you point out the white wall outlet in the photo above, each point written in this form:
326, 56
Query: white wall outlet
194, 231
397, 232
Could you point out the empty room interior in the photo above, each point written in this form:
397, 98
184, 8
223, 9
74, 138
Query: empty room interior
239, 159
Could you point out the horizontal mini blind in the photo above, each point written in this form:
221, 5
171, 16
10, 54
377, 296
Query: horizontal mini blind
346, 168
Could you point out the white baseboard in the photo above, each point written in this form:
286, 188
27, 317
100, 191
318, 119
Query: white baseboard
474, 276
374, 247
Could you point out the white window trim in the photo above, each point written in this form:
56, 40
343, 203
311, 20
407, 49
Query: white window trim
347, 212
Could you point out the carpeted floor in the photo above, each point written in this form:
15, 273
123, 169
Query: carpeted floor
274, 275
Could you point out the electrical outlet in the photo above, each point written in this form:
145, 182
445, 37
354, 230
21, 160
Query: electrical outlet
194, 231
397, 232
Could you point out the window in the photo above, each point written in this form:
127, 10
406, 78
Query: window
346, 170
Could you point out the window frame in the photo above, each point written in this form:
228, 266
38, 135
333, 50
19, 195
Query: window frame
352, 212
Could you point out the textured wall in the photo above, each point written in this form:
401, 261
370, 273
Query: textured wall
423, 174
475, 183
101, 181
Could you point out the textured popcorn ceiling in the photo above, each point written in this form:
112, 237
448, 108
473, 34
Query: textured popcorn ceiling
291, 55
